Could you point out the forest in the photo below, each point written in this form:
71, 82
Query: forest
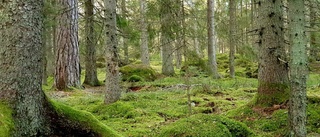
159, 68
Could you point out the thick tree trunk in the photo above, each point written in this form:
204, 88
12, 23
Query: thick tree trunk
298, 69
144, 34
273, 68
212, 62
232, 35
113, 91
67, 72
21, 65
167, 36
91, 69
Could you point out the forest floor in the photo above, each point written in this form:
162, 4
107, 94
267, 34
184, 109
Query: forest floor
146, 108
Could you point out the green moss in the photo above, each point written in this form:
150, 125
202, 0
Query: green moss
206, 125
135, 78
143, 71
313, 118
6, 120
84, 119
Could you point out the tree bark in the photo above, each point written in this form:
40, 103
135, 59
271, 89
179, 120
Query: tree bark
67, 72
144, 34
21, 65
91, 69
113, 91
273, 87
232, 35
298, 69
167, 36
212, 61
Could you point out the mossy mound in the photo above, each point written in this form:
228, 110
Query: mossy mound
71, 122
6, 120
201, 125
138, 70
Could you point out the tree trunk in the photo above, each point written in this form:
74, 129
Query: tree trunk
232, 35
167, 36
113, 91
298, 69
125, 32
314, 49
91, 69
21, 65
212, 62
273, 87
67, 72
144, 34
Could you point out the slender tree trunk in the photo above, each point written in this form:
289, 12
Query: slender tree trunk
91, 69
232, 35
298, 69
144, 34
212, 62
125, 37
67, 72
167, 36
273, 87
44, 56
314, 49
113, 91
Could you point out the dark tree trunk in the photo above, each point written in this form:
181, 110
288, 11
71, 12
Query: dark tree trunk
67, 72
91, 69
273, 67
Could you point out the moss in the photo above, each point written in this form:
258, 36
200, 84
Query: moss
80, 119
206, 125
143, 71
135, 78
6, 120
313, 118
280, 94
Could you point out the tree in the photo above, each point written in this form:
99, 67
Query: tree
273, 87
125, 31
91, 69
298, 69
113, 91
167, 35
212, 61
21, 76
232, 35
67, 71
144, 34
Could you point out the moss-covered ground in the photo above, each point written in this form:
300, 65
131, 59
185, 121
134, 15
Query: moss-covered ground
160, 107
155, 105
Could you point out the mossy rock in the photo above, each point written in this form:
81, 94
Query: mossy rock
201, 125
143, 71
